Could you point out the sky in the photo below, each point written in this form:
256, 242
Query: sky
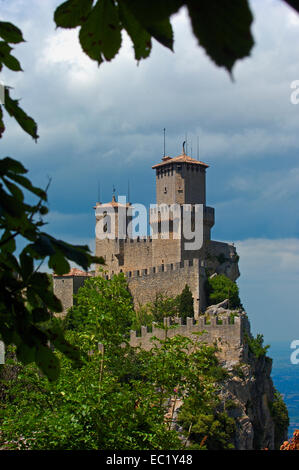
105, 125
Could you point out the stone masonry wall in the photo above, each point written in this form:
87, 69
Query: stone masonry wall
64, 289
228, 336
169, 279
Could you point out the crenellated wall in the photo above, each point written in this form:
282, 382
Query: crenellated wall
227, 333
169, 279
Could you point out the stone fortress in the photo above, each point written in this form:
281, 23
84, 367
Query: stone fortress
157, 264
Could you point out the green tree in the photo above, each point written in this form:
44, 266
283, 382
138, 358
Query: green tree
163, 307
280, 417
104, 308
256, 345
219, 288
185, 303
120, 398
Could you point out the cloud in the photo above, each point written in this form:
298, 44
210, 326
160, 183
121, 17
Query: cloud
268, 286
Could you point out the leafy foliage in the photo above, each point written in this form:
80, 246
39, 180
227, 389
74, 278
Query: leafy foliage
220, 288
26, 295
256, 346
280, 417
210, 430
104, 308
221, 28
185, 303
164, 306
120, 398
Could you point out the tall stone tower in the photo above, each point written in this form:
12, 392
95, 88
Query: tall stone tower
180, 180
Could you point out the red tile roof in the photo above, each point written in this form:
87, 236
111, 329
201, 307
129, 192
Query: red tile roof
180, 159
74, 272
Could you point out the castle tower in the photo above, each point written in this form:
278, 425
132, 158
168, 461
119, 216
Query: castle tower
180, 180
112, 220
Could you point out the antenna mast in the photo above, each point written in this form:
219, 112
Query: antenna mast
164, 141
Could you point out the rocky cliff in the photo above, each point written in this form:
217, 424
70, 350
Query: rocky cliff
249, 396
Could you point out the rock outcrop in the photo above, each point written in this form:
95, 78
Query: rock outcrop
247, 396
248, 393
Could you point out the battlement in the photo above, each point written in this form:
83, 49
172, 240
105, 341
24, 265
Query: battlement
225, 332
152, 270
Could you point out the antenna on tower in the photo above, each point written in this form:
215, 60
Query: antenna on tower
186, 140
113, 192
164, 141
197, 148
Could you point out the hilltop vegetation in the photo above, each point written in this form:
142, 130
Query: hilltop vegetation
120, 398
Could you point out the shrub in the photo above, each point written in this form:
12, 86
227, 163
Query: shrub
256, 345
280, 415
220, 288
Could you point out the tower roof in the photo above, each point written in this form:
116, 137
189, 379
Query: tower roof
183, 158
73, 272
113, 203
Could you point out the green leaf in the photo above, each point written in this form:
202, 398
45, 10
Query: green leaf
100, 35
56, 336
223, 29
15, 190
140, 37
77, 253
10, 205
9, 164
154, 11
47, 362
26, 122
162, 32
59, 264
26, 262
40, 314
40, 286
43, 245
72, 13
9, 245
10, 33
25, 353
26, 183
293, 3
7, 59
2, 127
154, 16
